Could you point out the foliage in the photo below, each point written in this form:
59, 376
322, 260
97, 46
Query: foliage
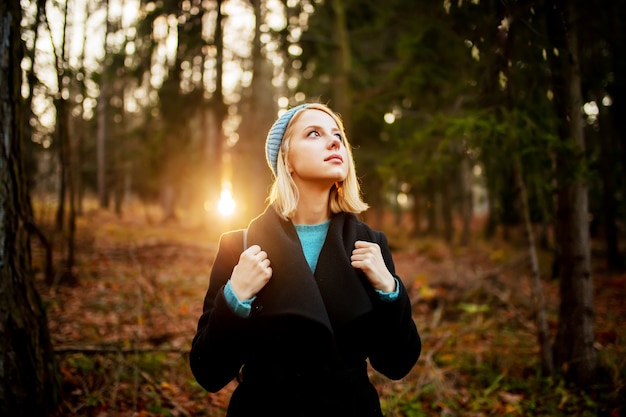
429, 64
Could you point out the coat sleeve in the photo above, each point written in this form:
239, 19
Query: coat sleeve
217, 350
397, 344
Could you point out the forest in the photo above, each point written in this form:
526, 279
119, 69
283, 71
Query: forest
490, 142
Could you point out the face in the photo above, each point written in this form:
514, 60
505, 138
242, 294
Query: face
317, 152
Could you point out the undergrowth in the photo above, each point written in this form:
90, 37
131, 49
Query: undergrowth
123, 333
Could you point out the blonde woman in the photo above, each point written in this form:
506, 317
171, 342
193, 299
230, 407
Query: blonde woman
300, 300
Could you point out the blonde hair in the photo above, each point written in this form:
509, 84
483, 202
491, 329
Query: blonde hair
344, 196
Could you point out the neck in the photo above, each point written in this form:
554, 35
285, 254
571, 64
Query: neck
312, 206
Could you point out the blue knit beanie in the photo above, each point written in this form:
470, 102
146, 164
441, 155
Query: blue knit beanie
275, 136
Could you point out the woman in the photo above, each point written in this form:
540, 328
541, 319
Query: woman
300, 300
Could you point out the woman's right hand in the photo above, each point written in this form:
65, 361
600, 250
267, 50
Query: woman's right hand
251, 273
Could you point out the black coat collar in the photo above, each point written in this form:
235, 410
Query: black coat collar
333, 296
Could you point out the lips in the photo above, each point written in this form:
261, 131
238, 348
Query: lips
334, 157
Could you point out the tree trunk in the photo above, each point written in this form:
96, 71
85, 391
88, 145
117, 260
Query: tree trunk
416, 211
506, 37
28, 150
608, 163
119, 155
447, 216
219, 107
61, 143
103, 118
543, 334
574, 350
617, 92
259, 109
491, 225
28, 377
342, 92
80, 127
71, 214
62, 118
432, 228
466, 201
63, 138
29, 146
101, 139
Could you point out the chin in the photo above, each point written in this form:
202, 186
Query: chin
337, 177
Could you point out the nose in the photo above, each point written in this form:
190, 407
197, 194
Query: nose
335, 142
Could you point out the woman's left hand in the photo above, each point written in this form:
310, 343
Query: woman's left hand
367, 257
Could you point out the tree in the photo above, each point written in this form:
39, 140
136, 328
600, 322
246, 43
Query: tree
519, 71
341, 82
61, 106
63, 145
506, 37
29, 385
258, 111
601, 60
104, 118
29, 145
574, 348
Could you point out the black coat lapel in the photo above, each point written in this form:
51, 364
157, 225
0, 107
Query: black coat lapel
292, 289
334, 296
339, 283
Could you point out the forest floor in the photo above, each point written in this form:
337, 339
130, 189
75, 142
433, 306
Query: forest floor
123, 330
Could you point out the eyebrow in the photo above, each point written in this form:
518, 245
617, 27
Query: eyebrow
334, 129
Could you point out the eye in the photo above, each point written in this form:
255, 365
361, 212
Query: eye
313, 133
338, 136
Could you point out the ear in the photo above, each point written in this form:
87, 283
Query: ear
288, 165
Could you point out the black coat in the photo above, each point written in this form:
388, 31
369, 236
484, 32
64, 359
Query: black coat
305, 345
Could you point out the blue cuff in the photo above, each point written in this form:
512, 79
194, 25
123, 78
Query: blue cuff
389, 296
241, 308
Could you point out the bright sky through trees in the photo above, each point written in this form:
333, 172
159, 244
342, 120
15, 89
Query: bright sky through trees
87, 27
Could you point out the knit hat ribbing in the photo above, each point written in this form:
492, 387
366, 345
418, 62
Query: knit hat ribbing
275, 136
